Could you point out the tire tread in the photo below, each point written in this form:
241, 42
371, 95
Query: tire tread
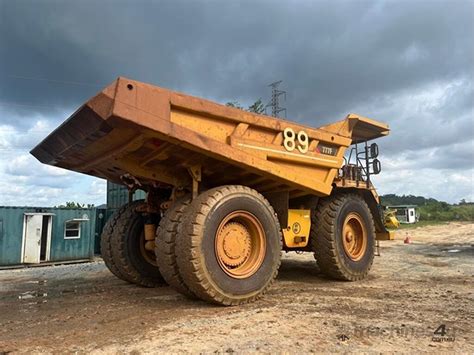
118, 243
323, 236
189, 259
165, 246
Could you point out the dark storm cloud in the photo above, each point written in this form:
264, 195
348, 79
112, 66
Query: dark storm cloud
334, 58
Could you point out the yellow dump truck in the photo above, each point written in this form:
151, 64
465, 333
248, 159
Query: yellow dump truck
226, 190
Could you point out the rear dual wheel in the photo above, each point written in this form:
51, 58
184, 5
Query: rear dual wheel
165, 245
228, 247
124, 248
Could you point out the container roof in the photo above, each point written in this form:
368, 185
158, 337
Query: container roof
403, 206
29, 208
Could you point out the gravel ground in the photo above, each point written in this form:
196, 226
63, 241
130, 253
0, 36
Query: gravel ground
411, 291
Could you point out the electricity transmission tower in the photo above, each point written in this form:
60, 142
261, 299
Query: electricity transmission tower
275, 100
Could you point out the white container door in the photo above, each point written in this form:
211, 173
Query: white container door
32, 238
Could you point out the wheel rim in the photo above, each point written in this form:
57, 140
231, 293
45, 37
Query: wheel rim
354, 236
240, 244
148, 255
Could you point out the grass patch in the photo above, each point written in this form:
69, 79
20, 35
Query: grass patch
421, 224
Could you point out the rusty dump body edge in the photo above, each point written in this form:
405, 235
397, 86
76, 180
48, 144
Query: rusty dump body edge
156, 135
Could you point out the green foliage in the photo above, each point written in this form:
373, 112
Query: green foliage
430, 209
73, 205
394, 200
256, 107
421, 224
441, 211
234, 104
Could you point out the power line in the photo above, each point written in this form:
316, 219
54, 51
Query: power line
15, 149
5, 103
24, 132
275, 99
67, 82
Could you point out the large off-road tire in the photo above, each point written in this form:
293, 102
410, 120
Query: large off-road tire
106, 246
229, 246
165, 246
128, 254
343, 237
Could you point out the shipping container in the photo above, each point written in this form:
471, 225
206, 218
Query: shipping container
33, 235
117, 196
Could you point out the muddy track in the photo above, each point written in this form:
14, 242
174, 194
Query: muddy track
411, 291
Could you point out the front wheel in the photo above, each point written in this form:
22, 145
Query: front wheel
343, 237
229, 249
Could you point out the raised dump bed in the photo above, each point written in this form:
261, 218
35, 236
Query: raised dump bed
186, 151
156, 135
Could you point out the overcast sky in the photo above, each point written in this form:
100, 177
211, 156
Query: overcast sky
407, 63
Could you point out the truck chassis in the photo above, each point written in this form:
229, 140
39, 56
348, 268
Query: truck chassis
227, 190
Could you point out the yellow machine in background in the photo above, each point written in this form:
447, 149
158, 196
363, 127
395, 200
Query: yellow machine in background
390, 219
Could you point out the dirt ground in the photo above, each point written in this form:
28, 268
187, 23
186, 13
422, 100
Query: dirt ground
412, 290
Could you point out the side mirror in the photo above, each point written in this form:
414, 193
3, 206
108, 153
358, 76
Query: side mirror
376, 167
373, 151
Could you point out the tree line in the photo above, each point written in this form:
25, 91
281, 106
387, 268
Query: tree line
430, 209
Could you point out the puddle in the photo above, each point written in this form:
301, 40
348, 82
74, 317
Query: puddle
32, 295
37, 282
166, 298
67, 291
444, 250
456, 248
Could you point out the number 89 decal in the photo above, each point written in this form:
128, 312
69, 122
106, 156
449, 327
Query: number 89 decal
294, 140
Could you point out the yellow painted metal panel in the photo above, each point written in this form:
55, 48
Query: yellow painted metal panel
296, 234
155, 134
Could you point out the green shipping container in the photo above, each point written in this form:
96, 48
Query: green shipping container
31, 235
117, 196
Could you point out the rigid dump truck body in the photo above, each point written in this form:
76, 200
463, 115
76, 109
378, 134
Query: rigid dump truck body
227, 190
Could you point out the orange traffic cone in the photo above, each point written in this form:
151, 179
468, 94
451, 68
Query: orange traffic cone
407, 239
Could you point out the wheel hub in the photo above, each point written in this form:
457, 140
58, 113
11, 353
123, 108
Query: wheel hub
349, 237
236, 243
240, 244
354, 236
147, 249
